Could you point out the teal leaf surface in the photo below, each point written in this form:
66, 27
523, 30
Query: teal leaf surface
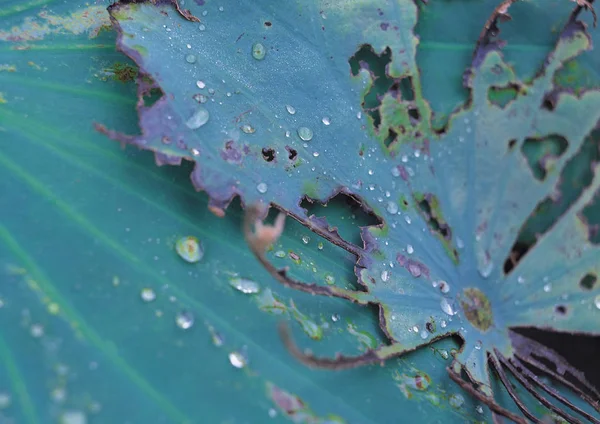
104, 322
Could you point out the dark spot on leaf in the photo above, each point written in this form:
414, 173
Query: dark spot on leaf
560, 310
477, 308
542, 152
268, 23
588, 281
430, 326
268, 154
511, 144
384, 26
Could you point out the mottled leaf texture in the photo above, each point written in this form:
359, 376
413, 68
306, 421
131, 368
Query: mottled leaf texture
272, 108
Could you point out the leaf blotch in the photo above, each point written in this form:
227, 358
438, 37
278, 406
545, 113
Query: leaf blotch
477, 308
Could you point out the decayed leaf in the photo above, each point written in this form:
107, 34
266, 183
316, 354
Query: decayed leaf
272, 111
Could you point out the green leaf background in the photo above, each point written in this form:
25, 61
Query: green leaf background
86, 226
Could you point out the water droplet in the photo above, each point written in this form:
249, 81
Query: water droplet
320, 246
36, 330
409, 249
326, 120
190, 249
200, 84
478, 345
204, 13
5, 400
248, 129
597, 301
370, 172
407, 219
199, 118
147, 294
305, 239
444, 354
244, 285
211, 91
392, 207
329, 279
305, 133
258, 51
190, 58
262, 188
237, 360
479, 409
221, 8
359, 115
184, 320
456, 400
520, 279
385, 275
335, 317
424, 334
444, 286
272, 413
202, 27
443, 323
73, 417
415, 329
395, 171
291, 109
280, 254
200, 98
547, 287
215, 336
447, 307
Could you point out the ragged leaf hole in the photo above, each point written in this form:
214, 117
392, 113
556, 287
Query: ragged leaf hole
502, 96
268, 154
542, 152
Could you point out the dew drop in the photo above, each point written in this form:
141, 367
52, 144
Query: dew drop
479, 409
326, 120
190, 249
335, 317
456, 400
478, 345
36, 330
329, 279
305, 239
215, 336
443, 323
395, 171
547, 288
248, 129
597, 301
370, 172
221, 8
320, 246
409, 249
244, 285
280, 254
258, 51
447, 307
305, 133
520, 279
444, 354
272, 413
359, 115
73, 417
291, 109
415, 329
200, 84
424, 334
202, 27
200, 98
385, 275
237, 360
444, 286
407, 219
199, 118
147, 294
262, 188
392, 207
184, 320
190, 58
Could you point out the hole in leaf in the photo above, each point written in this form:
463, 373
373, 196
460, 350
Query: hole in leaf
542, 152
560, 310
391, 138
501, 96
292, 153
346, 209
511, 144
268, 23
575, 177
588, 281
429, 207
268, 154
152, 96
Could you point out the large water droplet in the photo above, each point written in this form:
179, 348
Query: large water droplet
184, 320
190, 58
244, 285
395, 171
199, 118
248, 129
305, 133
237, 360
190, 249
73, 417
392, 207
291, 109
258, 51
456, 400
597, 301
447, 307
202, 27
280, 254
385, 275
326, 120
147, 294
262, 188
